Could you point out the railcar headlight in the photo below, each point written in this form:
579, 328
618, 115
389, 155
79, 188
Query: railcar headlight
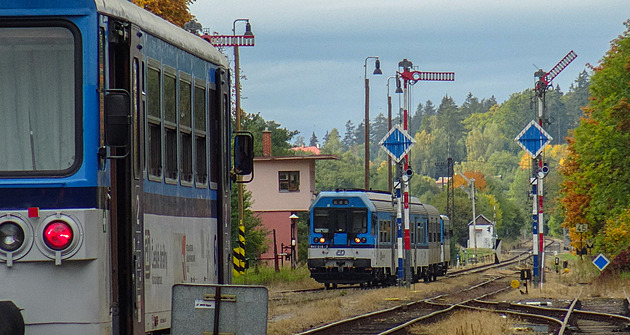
357, 240
11, 236
363, 239
322, 240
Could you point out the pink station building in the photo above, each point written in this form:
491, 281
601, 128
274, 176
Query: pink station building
283, 186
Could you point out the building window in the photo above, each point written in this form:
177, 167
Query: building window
289, 181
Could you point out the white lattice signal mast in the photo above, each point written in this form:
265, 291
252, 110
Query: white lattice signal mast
410, 77
540, 169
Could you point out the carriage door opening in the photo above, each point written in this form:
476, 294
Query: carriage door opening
125, 73
340, 229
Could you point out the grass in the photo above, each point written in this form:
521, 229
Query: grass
285, 279
581, 278
469, 323
483, 255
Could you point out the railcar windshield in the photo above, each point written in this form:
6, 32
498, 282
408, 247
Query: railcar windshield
340, 220
37, 99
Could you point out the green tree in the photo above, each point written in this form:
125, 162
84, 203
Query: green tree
255, 233
333, 145
346, 172
280, 137
313, 141
574, 101
349, 138
449, 119
596, 188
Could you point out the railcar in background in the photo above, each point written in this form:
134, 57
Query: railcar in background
115, 171
352, 239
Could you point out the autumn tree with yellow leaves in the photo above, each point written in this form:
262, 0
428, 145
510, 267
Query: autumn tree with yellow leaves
174, 11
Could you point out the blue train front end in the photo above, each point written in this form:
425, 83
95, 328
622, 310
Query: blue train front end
341, 241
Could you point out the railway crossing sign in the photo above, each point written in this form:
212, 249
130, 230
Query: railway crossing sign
601, 262
397, 143
533, 139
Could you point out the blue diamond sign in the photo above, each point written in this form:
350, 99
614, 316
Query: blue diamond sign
397, 143
533, 139
601, 262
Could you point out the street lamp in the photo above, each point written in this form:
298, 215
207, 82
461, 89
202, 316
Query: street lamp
377, 71
293, 218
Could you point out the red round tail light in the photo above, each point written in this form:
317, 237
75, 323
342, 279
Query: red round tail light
58, 235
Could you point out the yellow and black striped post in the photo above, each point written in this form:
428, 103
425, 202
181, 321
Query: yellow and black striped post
239, 252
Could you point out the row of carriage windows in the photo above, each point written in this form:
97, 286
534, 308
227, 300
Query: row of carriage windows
181, 98
385, 232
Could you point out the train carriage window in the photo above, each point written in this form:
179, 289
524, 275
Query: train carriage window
374, 226
384, 233
136, 87
213, 138
359, 221
321, 219
170, 124
185, 129
40, 75
201, 161
420, 233
340, 220
154, 120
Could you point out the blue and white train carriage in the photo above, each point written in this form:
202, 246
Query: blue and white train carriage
352, 239
115, 169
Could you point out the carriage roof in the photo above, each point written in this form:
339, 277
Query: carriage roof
382, 201
162, 29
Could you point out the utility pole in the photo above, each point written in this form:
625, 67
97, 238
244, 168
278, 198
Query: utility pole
471, 195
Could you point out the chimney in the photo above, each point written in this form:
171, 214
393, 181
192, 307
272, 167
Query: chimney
266, 142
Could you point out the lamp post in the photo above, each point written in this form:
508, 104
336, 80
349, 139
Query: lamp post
377, 70
293, 218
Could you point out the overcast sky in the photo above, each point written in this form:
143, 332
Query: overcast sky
306, 71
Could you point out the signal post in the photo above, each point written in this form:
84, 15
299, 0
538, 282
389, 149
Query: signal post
534, 139
245, 40
397, 143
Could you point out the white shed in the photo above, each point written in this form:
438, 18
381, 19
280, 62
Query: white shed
485, 233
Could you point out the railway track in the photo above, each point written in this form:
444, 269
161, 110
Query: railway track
579, 316
397, 318
587, 316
